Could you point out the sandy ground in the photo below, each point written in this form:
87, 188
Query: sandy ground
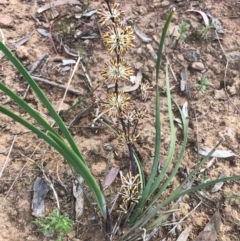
212, 115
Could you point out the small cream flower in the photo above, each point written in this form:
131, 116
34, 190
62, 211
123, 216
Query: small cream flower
144, 88
116, 70
118, 38
116, 103
124, 139
129, 191
115, 14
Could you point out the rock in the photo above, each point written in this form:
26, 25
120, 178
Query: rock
6, 21
234, 60
22, 52
165, 3
220, 95
142, 10
139, 51
180, 58
152, 25
156, 3
194, 24
139, 2
232, 90
216, 68
199, 66
138, 65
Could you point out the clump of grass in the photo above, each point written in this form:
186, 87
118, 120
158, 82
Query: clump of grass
139, 193
140, 208
55, 223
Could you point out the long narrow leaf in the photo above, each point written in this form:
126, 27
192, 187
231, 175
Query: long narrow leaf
145, 193
152, 213
180, 188
41, 96
33, 113
172, 137
140, 170
177, 165
67, 153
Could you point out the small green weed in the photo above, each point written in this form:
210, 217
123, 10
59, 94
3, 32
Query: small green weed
233, 198
55, 223
65, 26
205, 31
203, 85
203, 178
182, 29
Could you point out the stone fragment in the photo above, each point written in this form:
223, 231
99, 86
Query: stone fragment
22, 52
6, 21
232, 90
142, 10
152, 25
194, 24
199, 66
234, 60
156, 3
139, 2
219, 95
165, 4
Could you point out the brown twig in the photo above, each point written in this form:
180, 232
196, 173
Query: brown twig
7, 158
34, 67
76, 92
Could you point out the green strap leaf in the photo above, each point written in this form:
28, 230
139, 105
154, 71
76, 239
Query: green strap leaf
41, 96
145, 194
77, 162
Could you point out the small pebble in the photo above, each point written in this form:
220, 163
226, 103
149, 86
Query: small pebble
198, 66
165, 3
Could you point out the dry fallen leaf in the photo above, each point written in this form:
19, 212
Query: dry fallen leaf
204, 150
183, 81
205, 18
111, 176
44, 32
22, 41
218, 185
78, 194
137, 82
210, 232
184, 235
152, 52
141, 35
56, 3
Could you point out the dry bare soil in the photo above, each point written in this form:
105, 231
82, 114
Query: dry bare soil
212, 115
